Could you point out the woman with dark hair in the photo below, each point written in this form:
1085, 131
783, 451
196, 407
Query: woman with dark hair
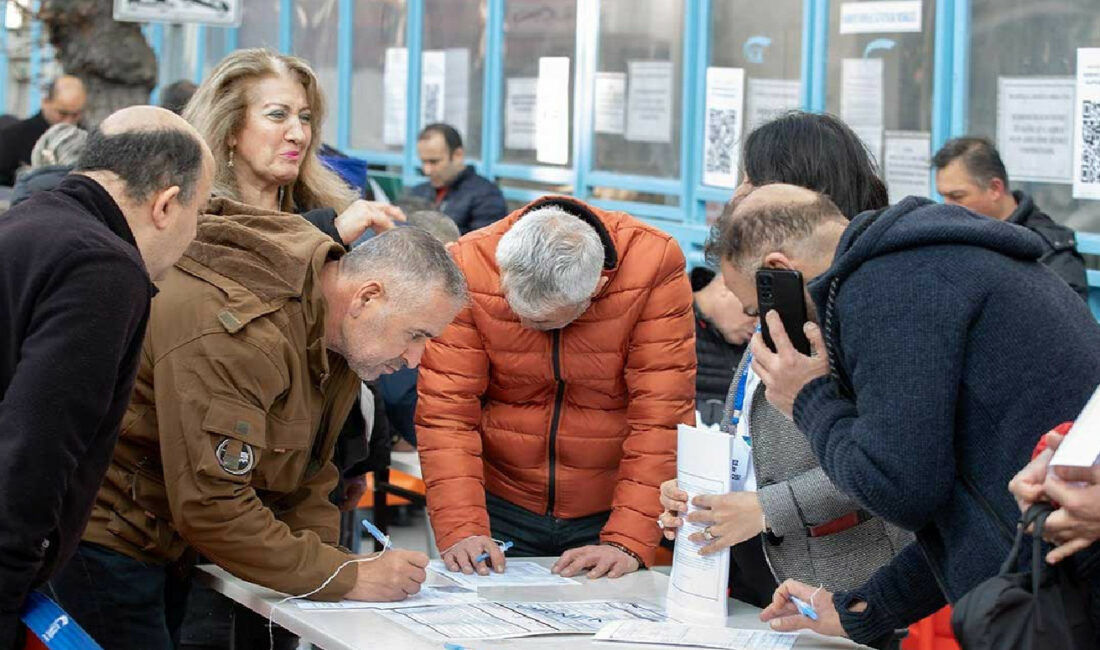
791, 521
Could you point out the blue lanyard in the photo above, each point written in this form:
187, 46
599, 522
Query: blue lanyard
53, 626
739, 395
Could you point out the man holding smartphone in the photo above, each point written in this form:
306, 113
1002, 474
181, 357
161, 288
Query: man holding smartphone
933, 320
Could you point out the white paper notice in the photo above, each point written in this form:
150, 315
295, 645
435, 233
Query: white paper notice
649, 101
725, 107
395, 76
908, 164
861, 100
433, 595
518, 573
433, 79
516, 619
1035, 128
1086, 126
1081, 447
610, 102
694, 636
697, 587
456, 90
767, 99
880, 17
519, 112
552, 111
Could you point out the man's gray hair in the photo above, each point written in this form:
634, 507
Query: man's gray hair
440, 225
61, 144
412, 262
549, 259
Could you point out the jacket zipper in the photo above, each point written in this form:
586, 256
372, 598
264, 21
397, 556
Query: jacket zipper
558, 398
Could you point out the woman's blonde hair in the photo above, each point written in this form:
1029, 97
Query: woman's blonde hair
218, 111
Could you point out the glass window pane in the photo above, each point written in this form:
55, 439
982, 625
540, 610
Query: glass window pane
217, 47
379, 25
533, 29
459, 29
260, 24
177, 57
768, 45
315, 40
1018, 38
906, 76
643, 40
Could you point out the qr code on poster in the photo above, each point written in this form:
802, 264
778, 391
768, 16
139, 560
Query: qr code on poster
721, 140
1090, 142
431, 102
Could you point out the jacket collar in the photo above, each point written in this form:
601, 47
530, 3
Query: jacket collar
462, 177
589, 216
1024, 207
99, 202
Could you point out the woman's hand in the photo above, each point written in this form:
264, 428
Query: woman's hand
360, 215
730, 519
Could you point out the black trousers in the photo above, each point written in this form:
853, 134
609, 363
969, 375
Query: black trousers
126, 604
536, 535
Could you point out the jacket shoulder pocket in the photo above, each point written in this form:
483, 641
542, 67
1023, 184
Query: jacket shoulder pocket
238, 420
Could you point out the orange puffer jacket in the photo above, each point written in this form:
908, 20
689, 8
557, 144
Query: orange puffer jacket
570, 422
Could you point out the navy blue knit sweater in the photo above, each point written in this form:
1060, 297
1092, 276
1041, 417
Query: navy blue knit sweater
953, 350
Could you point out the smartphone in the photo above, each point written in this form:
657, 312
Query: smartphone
782, 290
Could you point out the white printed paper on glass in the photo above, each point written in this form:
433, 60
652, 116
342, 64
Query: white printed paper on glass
1035, 128
861, 100
880, 17
908, 165
223, 13
610, 100
649, 101
519, 112
767, 99
395, 74
725, 102
552, 111
1086, 126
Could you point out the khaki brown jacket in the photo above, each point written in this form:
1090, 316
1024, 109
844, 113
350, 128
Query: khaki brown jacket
570, 422
227, 442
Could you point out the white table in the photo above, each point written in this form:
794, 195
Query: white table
365, 630
407, 462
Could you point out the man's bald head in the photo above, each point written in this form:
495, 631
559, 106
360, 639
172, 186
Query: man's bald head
769, 218
148, 148
64, 102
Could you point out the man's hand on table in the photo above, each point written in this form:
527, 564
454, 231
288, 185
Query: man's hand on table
461, 556
600, 560
396, 575
784, 616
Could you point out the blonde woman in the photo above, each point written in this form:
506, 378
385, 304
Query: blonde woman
261, 113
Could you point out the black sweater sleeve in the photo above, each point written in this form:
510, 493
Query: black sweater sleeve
84, 323
324, 219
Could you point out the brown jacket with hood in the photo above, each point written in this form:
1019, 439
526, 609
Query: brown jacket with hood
571, 422
227, 443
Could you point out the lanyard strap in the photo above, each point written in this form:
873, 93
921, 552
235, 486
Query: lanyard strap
56, 629
739, 394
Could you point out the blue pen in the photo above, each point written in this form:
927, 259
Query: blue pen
485, 556
377, 534
804, 608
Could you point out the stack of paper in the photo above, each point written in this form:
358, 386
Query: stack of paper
674, 634
518, 573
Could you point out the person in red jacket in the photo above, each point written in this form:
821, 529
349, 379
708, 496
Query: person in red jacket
547, 410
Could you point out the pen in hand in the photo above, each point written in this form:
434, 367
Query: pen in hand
485, 555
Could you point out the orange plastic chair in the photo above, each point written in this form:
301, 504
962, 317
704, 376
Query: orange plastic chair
397, 478
932, 633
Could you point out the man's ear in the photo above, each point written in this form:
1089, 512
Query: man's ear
162, 203
371, 290
777, 260
458, 154
998, 186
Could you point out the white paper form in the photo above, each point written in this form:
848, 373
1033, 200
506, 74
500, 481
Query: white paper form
508, 620
430, 595
908, 164
697, 586
1081, 447
724, 112
456, 89
520, 96
649, 101
861, 100
433, 82
552, 111
1035, 128
880, 17
395, 75
610, 102
694, 636
1086, 126
767, 99
518, 573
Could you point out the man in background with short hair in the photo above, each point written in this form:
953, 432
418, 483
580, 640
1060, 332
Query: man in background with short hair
970, 173
453, 187
64, 103
75, 291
